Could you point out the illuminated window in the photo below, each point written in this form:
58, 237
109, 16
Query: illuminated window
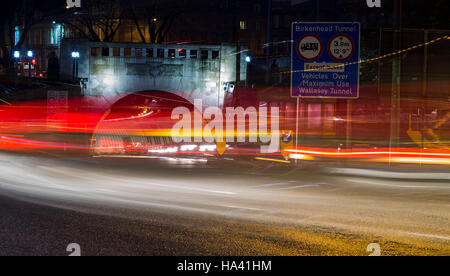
138, 52
16, 35
243, 25
171, 53
95, 52
160, 53
182, 53
127, 52
194, 53
116, 52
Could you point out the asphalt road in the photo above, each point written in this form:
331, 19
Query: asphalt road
186, 207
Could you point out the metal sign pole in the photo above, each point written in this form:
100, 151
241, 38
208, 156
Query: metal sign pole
297, 126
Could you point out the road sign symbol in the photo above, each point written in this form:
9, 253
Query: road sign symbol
325, 60
309, 47
341, 47
287, 137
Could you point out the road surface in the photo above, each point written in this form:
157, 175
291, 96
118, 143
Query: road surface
187, 207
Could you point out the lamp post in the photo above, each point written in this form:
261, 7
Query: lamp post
16, 55
396, 78
75, 57
30, 55
268, 38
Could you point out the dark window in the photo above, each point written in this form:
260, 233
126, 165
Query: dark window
160, 53
94, 52
182, 53
150, 52
138, 52
194, 53
127, 52
171, 53
105, 52
116, 52
215, 54
204, 54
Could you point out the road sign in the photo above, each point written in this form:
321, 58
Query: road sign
287, 141
325, 60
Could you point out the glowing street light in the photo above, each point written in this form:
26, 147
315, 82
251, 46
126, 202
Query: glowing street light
16, 54
248, 59
75, 55
30, 54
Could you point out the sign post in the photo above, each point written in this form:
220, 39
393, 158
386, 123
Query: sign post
325, 62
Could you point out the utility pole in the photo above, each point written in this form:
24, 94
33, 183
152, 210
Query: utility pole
396, 77
318, 10
237, 39
268, 38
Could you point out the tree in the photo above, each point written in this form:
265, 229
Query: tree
12, 14
23, 14
153, 19
97, 20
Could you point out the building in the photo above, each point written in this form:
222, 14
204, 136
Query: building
191, 71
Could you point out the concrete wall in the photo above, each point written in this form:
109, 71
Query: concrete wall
118, 69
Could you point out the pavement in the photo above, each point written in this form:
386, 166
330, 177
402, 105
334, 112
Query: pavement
169, 206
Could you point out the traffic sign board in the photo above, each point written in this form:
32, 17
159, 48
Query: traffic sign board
330, 73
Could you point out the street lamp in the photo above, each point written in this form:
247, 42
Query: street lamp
75, 57
30, 55
248, 59
16, 55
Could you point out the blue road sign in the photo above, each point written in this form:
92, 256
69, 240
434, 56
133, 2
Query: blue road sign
325, 60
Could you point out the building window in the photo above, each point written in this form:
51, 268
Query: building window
194, 53
276, 21
116, 52
171, 53
204, 54
95, 52
138, 52
258, 26
224, 4
161, 53
127, 52
182, 53
215, 54
257, 8
105, 52
243, 25
150, 52
16, 35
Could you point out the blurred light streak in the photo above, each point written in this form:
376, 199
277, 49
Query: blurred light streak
273, 160
371, 153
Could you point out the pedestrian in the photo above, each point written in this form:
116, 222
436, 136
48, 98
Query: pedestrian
53, 67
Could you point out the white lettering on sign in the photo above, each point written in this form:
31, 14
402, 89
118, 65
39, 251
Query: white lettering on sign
374, 3
74, 3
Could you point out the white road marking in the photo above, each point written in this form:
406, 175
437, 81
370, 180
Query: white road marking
383, 183
302, 186
273, 184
